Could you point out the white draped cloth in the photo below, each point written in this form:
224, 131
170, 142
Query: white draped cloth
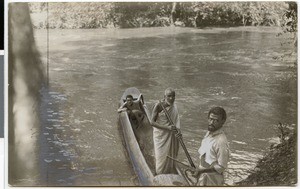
165, 142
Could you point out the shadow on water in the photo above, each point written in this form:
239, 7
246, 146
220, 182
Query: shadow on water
57, 148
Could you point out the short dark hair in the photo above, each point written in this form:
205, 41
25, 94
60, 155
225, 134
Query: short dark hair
129, 96
169, 90
218, 111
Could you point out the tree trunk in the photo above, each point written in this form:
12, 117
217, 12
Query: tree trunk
173, 13
25, 78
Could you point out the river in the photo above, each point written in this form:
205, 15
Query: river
235, 68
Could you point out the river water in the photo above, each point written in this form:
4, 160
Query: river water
235, 68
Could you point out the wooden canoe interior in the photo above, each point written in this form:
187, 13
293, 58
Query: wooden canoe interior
144, 132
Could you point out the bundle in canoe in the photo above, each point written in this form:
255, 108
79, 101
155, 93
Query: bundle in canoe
140, 149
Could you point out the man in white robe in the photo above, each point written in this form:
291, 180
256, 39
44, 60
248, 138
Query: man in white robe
164, 133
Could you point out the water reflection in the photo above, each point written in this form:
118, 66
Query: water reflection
57, 145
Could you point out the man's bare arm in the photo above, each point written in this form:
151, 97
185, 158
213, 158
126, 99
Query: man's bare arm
122, 108
139, 97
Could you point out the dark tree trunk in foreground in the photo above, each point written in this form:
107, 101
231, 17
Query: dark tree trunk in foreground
25, 77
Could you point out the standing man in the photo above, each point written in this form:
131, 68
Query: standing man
214, 150
165, 132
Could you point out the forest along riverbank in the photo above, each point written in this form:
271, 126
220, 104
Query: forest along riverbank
233, 67
158, 14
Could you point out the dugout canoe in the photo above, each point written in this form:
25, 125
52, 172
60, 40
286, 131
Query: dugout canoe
140, 148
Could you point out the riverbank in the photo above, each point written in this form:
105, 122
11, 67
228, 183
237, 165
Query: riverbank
154, 14
278, 167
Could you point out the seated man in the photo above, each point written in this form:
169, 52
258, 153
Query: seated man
133, 109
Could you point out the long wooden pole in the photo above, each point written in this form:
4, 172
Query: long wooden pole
185, 176
179, 138
193, 168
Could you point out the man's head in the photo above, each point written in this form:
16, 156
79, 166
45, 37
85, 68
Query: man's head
216, 118
169, 96
129, 99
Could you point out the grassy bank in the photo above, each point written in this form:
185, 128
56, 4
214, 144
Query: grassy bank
278, 167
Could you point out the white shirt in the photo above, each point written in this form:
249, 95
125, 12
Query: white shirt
214, 151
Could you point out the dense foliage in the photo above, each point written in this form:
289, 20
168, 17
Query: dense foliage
151, 14
290, 29
71, 15
291, 20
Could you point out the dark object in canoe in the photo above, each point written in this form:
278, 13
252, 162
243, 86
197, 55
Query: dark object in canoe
140, 148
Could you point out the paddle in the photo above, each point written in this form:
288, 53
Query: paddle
179, 138
190, 169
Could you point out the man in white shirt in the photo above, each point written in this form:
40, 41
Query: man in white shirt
214, 151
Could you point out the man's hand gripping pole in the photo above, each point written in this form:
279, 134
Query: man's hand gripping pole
194, 172
179, 136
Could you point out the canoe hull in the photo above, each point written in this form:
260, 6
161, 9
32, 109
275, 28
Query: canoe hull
140, 165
